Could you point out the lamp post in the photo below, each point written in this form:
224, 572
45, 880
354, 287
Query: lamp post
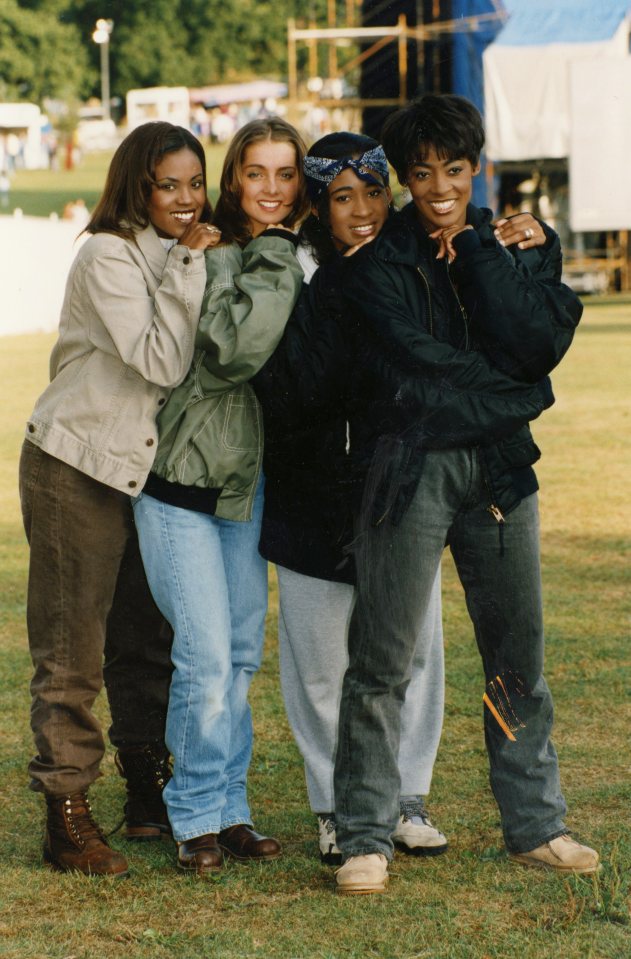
101, 36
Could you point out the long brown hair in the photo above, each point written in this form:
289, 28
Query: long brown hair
122, 208
229, 216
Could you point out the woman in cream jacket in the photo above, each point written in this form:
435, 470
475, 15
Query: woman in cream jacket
126, 338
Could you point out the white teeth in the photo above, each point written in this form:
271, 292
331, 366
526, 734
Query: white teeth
443, 206
184, 217
363, 229
269, 204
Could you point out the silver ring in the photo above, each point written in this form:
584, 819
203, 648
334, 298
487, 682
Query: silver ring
212, 229
529, 233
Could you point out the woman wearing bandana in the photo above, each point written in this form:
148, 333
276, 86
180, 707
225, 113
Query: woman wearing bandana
309, 498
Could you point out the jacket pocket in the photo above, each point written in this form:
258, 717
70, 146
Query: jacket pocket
243, 425
519, 450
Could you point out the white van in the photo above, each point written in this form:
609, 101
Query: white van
96, 131
158, 103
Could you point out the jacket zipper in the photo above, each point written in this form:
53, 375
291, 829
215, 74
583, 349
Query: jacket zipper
429, 300
492, 508
463, 312
496, 513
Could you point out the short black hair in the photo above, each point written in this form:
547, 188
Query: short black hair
448, 123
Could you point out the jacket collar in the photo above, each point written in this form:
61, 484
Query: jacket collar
148, 242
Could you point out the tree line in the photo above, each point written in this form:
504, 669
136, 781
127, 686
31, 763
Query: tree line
47, 51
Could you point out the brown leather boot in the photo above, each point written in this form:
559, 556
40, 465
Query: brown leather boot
74, 842
241, 842
146, 771
200, 855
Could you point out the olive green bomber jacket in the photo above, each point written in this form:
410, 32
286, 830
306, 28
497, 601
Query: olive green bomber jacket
211, 428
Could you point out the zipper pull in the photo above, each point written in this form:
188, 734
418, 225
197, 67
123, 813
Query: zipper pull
495, 512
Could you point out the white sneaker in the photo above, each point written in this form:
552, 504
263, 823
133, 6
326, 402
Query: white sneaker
329, 851
362, 875
415, 834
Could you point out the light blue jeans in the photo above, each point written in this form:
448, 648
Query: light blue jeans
210, 583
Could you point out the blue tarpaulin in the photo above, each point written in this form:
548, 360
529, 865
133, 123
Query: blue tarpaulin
528, 71
467, 76
468, 47
541, 22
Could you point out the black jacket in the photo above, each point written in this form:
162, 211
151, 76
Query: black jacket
383, 340
309, 480
456, 356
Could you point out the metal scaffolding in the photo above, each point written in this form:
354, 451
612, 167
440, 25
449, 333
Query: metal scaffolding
379, 37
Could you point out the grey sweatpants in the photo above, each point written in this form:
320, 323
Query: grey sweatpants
312, 630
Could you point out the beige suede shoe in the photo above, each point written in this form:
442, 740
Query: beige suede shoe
562, 854
362, 875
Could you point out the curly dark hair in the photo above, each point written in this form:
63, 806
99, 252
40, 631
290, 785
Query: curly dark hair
448, 123
123, 207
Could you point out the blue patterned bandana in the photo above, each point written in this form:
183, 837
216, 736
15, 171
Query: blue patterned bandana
320, 171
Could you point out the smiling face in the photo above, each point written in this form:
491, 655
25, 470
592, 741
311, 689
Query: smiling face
178, 194
357, 209
440, 190
269, 183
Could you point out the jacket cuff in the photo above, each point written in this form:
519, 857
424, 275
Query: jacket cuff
466, 242
186, 257
546, 391
551, 235
281, 234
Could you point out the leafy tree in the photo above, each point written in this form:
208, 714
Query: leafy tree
40, 56
46, 47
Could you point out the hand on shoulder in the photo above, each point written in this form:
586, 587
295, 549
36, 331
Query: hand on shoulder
522, 229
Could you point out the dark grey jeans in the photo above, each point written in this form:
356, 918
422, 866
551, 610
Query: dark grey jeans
87, 597
503, 594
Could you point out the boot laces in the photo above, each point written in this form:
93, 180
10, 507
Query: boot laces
80, 819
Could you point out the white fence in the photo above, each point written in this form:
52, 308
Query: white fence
35, 256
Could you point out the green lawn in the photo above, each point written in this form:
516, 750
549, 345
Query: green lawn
469, 904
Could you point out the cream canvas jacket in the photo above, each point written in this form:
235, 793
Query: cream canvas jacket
126, 338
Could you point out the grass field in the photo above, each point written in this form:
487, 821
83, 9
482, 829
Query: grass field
469, 904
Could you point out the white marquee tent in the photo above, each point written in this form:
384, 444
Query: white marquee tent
527, 71
557, 86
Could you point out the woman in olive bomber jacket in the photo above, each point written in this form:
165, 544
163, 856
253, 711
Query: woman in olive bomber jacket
199, 514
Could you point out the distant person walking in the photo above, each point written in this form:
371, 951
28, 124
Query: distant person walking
5, 189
